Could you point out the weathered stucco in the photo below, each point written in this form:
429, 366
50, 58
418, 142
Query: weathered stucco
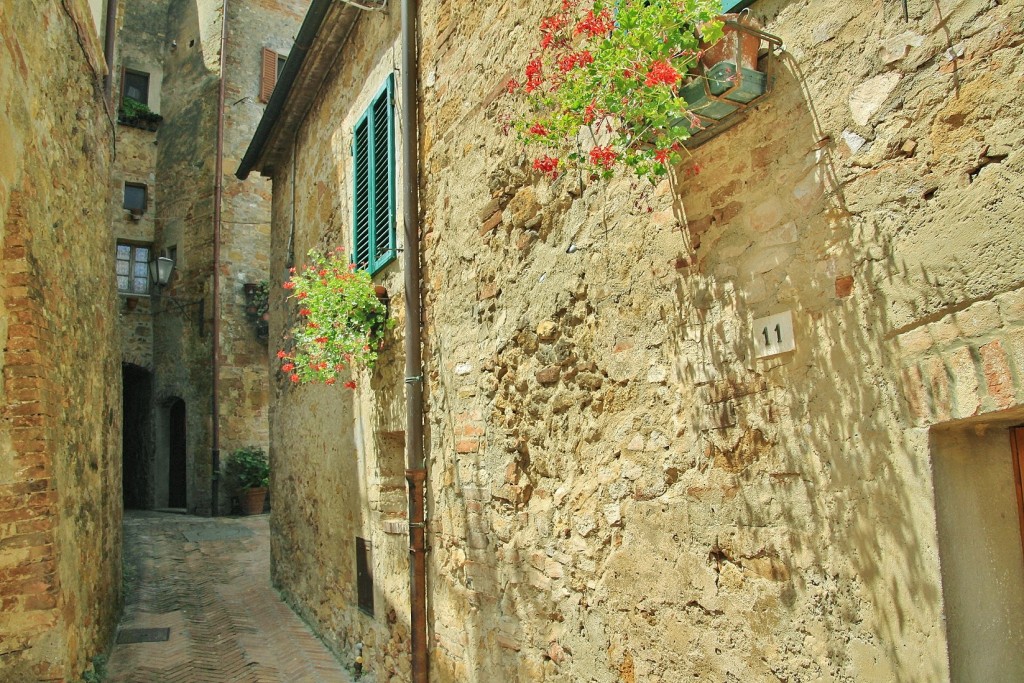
619, 489
60, 467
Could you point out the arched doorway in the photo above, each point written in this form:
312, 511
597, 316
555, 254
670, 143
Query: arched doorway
177, 462
136, 436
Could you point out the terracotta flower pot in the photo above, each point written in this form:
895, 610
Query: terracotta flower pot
725, 50
252, 501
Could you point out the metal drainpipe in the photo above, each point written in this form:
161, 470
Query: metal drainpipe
108, 48
218, 195
416, 472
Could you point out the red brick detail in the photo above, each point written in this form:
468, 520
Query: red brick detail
997, 374
844, 286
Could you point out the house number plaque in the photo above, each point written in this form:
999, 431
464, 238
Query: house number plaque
774, 335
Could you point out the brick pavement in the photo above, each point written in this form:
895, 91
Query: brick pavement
208, 580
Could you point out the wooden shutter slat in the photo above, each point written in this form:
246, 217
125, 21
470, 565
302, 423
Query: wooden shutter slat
268, 74
361, 199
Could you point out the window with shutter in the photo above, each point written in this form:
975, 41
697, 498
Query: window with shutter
270, 70
373, 183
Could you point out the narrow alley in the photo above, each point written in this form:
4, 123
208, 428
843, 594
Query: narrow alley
204, 585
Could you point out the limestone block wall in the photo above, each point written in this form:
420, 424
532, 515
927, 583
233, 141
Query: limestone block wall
620, 489
60, 509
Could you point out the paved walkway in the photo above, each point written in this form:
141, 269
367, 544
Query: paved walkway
208, 582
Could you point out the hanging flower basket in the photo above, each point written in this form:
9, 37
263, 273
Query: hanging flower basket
342, 321
602, 87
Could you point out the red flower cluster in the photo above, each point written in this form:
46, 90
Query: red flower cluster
661, 156
662, 72
603, 156
305, 312
533, 75
595, 25
572, 60
350, 385
547, 165
289, 285
538, 129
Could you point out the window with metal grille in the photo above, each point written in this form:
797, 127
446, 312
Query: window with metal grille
373, 233
132, 269
136, 86
364, 575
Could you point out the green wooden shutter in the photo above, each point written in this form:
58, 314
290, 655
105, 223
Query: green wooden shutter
361, 195
374, 183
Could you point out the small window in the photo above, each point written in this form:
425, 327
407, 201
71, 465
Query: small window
373, 183
132, 269
270, 71
364, 575
136, 86
135, 198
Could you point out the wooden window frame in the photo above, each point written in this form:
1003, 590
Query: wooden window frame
145, 198
373, 183
124, 83
131, 267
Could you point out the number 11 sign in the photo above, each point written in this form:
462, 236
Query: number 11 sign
774, 335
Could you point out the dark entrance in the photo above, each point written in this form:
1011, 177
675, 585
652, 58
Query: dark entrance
136, 448
177, 480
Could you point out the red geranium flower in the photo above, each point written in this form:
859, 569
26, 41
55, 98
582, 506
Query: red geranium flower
287, 367
350, 385
289, 285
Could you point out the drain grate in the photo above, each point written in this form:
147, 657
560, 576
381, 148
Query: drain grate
143, 635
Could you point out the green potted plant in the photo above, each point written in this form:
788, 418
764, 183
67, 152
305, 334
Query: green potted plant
602, 87
342, 320
138, 114
249, 470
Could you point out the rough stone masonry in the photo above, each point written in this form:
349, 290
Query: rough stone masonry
60, 404
620, 490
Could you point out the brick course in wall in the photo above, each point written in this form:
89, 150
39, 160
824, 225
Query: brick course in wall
60, 388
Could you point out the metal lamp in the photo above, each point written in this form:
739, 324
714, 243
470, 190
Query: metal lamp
160, 270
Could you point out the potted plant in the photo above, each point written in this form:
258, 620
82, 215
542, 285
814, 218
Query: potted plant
257, 305
602, 87
342, 320
137, 114
249, 470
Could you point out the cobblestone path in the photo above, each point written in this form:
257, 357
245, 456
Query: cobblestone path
208, 582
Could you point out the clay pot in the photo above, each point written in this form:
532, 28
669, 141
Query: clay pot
725, 49
252, 501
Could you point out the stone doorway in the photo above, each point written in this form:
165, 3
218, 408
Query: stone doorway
136, 433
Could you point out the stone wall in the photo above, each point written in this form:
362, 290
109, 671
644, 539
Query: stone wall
60, 509
338, 456
619, 488
245, 226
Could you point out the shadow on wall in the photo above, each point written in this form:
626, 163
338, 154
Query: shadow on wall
788, 524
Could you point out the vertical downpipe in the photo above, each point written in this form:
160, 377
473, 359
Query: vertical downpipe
416, 472
109, 34
218, 195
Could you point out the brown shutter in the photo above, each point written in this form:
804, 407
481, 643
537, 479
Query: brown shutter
268, 74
